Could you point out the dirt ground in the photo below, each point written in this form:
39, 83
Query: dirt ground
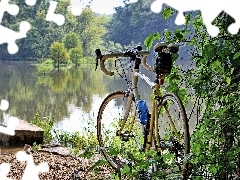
61, 166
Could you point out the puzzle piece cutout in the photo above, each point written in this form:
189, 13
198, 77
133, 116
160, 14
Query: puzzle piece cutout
59, 19
132, 1
4, 105
7, 35
30, 2
76, 11
77, 7
13, 121
4, 170
10, 129
12, 9
209, 10
31, 171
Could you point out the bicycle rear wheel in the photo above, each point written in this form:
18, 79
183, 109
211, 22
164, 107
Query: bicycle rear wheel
173, 131
118, 150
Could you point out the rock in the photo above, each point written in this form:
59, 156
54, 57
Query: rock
25, 133
56, 150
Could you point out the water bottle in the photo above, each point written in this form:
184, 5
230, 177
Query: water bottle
143, 111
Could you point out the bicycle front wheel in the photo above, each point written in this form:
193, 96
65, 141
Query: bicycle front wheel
118, 149
173, 130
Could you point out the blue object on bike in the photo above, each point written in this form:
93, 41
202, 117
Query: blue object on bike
142, 110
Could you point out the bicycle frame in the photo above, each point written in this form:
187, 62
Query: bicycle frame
154, 112
134, 93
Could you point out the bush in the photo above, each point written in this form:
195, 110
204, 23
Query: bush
46, 125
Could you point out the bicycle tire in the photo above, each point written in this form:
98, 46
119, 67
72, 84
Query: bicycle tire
102, 138
184, 132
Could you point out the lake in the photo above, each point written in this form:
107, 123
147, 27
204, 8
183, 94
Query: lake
72, 96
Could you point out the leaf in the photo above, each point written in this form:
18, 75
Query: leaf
228, 80
179, 35
236, 56
213, 169
175, 57
149, 40
100, 162
188, 18
96, 171
209, 50
216, 65
167, 12
224, 52
126, 169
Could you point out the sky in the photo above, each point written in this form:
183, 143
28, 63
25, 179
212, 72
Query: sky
99, 6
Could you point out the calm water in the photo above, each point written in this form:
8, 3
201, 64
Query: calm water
73, 96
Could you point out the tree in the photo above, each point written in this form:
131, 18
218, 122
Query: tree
59, 53
75, 55
30, 47
135, 21
45, 66
91, 29
119, 28
71, 40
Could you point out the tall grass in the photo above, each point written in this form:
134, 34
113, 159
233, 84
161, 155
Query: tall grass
82, 143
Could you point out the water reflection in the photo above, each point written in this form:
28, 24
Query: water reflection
79, 119
73, 96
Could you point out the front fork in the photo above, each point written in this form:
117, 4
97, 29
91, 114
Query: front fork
129, 96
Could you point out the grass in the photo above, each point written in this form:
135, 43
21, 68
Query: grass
85, 144
47, 125
80, 143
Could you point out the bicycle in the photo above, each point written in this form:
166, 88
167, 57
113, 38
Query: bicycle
134, 125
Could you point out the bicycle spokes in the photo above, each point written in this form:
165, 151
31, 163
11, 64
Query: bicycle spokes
173, 131
116, 143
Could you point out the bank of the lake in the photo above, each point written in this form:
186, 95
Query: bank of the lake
60, 167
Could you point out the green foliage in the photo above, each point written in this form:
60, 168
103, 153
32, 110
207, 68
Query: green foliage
167, 12
215, 79
36, 147
45, 66
111, 46
91, 30
47, 125
71, 40
88, 27
59, 53
236, 56
75, 55
209, 50
82, 143
150, 39
135, 21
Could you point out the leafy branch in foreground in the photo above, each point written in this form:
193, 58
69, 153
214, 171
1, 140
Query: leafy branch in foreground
215, 79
